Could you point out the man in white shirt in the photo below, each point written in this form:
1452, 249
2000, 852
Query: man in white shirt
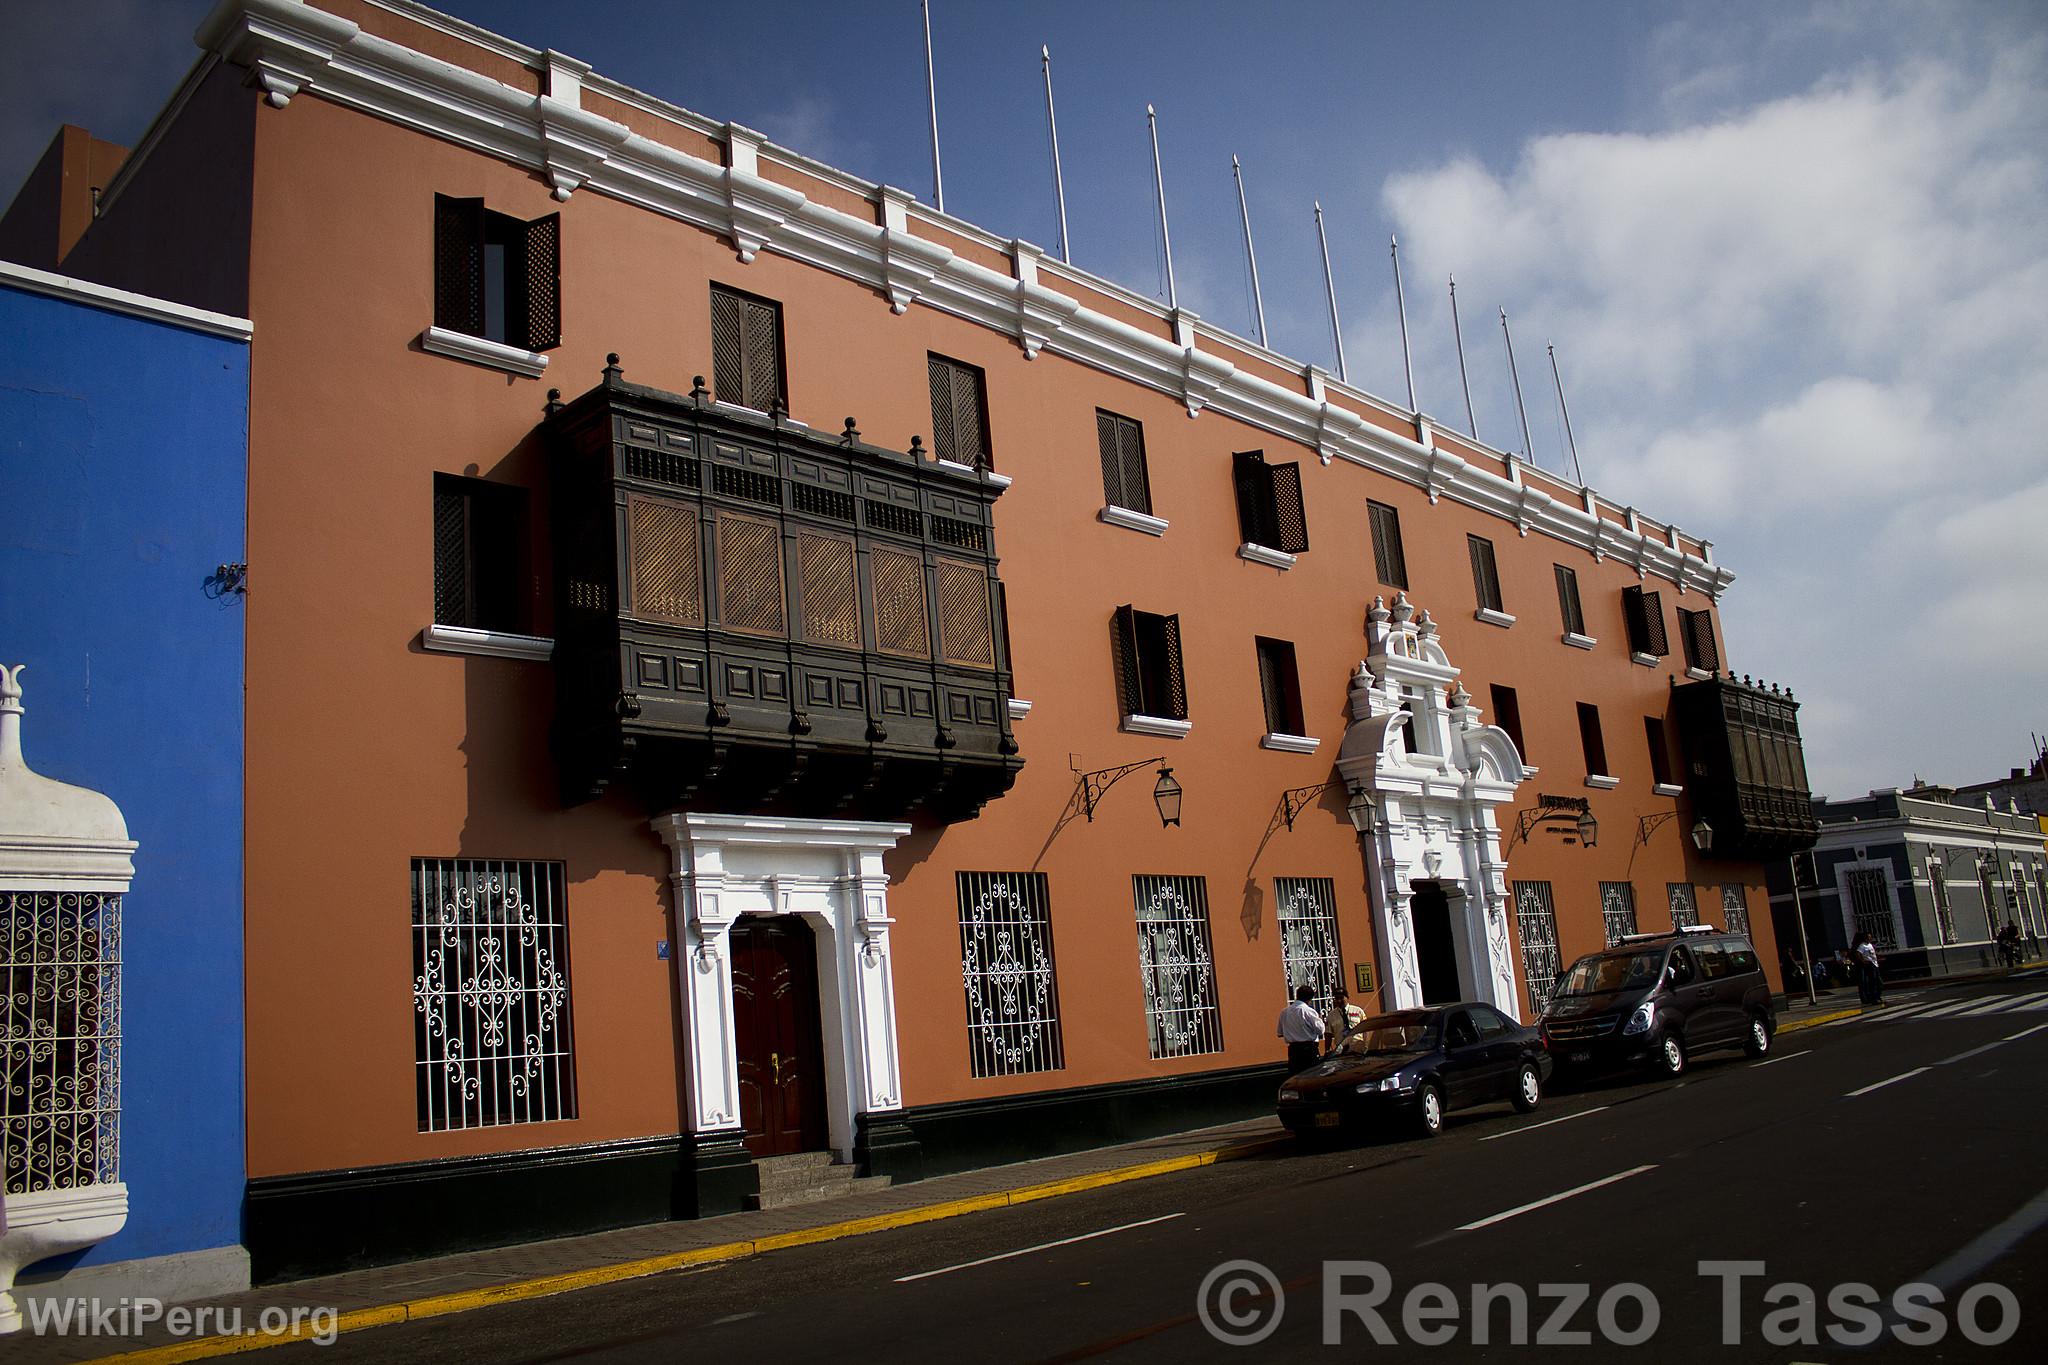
1301, 1028
1343, 1016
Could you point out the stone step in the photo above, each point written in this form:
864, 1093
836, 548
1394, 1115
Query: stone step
788, 1196
795, 1161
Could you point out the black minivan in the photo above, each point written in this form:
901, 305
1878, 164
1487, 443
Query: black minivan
1659, 999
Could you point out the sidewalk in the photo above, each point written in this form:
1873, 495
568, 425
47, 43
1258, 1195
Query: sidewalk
453, 1284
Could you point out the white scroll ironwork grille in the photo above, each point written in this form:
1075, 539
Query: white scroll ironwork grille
1937, 886
491, 993
1870, 898
1618, 909
1181, 1013
1987, 896
1013, 998
60, 1051
1310, 950
2040, 899
1734, 909
1685, 910
1536, 923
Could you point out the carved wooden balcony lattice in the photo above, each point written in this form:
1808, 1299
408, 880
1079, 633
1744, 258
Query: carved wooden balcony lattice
1745, 768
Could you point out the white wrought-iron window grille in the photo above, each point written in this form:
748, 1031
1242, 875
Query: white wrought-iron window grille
60, 1050
1618, 910
1006, 962
491, 1021
1536, 924
1937, 887
1734, 909
1310, 950
1182, 1017
1870, 899
1685, 909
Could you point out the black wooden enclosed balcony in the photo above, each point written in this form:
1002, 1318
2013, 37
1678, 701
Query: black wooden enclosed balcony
755, 616
1746, 771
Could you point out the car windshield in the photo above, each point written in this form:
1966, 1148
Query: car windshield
1615, 972
1389, 1034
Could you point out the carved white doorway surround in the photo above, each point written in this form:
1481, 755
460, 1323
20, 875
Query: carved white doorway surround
1436, 773
829, 872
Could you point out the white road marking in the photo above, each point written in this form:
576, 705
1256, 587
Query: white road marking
1531, 1127
1970, 1262
2015, 1037
1949, 1009
1042, 1246
1903, 1075
1911, 1012
1973, 1052
1553, 1199
1785, 1057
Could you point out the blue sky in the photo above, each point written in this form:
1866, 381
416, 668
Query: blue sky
1794, 257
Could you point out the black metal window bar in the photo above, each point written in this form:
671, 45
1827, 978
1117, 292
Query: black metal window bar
60, 1040
491, 1025
1536, 923
1182, 1017
1685, 910
1006, 961
1310, 951
1618, 910
1870, 898
1734, 909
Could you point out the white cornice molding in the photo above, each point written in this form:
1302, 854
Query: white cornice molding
1578, 641
497, 644
1156, 725
478, 351
1260, 554
1601, 782
1132, 521
1019, 708
122, 301
1290, 744
1667, 789
1493, 618
289, 47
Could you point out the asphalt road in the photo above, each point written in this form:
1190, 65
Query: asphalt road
1880, 1153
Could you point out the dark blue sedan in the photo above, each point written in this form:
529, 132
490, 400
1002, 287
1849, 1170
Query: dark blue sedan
1413, 1067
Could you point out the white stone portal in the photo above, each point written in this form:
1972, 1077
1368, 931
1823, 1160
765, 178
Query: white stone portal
828, 871
1436, 773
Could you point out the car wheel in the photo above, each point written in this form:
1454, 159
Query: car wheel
1429, 1110
1758, 1040
1528, 1088
1670, 1059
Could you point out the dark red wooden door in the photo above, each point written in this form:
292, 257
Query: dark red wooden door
775, 1021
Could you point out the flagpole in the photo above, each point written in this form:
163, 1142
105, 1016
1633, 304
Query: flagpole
1059, 187
931, 90
1159, 181
1258, 303
1563, 407
1401, 302
1330, 284
1528, 447
1457, 334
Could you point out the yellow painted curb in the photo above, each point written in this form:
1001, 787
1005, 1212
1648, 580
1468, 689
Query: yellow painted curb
1817, 1020
441, 1305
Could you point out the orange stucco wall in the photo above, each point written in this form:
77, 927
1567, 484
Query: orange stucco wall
364, 752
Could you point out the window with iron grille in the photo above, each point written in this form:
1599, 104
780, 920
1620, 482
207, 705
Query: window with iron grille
1182, 1017
664, 569
1269, 510
830, 598
60, 1051
746, 350
1696, 633
1568, 607
1658, 739
1280, 685
1734, 909
1536, 925
1590, 740
2040, 899
1507, 714
1870, 902
495, 276
1937, 887
959, 412
1121, 443
1148, 664
966, 627
901, 623
750, 575
1013, 998
1388, 563
1485, 574
479, 554
1618, 910
1310, 952
490, 991
1644, 612
1685, 909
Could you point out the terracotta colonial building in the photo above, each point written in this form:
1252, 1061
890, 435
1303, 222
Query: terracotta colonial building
716, 629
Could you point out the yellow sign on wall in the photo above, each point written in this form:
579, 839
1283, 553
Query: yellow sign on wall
1363, 970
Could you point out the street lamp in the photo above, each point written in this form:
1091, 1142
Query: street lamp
1589, 828
1703, 835
1166, 796
1363, 810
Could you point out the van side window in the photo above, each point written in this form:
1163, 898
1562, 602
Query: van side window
1681, 966
1713, 961
1741, 959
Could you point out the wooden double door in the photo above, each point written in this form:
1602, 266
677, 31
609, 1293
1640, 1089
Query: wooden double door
776, 1034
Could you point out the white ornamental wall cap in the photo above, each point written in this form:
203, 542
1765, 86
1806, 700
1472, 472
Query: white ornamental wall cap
53, 836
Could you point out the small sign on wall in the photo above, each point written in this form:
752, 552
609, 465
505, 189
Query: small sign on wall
1363, 971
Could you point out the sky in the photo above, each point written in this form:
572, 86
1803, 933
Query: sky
1793, 257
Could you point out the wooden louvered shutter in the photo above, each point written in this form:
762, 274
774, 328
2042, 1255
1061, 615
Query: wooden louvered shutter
1112, 468
902, 625
728, 347
1697, 630
451, 559
945, 438
1254, 493
1568, 600
763, 354
750, 575
1174, 702
1387, 560
1130, 681
966, 631
459, 264
1485, 573
1290, 520
830, 593
665, 578
970, 424
1130, 454
1645, 612
540, 265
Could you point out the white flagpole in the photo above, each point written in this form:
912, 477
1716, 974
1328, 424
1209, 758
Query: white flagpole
1258, 303
1401, 302
1471, 422
931, 90
1159, 180
1570, 441
1059, 187
1330, 284
1528, 448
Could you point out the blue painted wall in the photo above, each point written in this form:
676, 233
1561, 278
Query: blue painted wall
123, 473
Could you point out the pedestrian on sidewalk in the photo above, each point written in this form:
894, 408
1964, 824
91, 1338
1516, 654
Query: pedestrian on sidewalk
1301, 1028
1870, 978
1341, 1018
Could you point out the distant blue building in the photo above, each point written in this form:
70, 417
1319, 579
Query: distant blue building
123, 444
